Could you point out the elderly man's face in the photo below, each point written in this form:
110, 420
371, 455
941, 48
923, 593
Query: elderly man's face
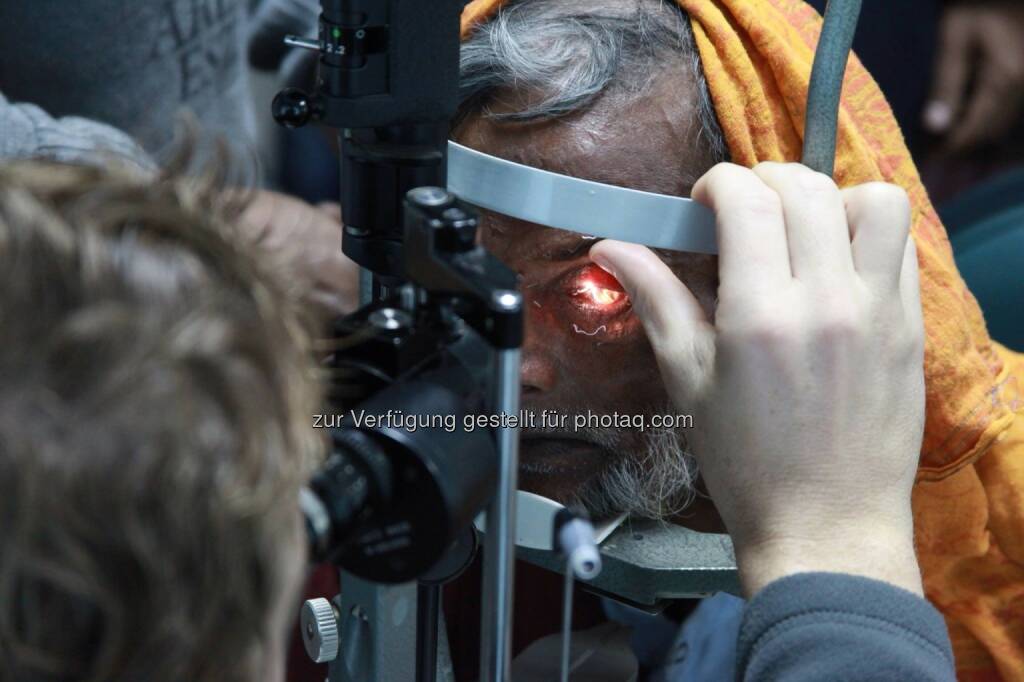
585, 350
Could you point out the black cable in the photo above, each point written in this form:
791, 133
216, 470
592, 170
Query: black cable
822, 120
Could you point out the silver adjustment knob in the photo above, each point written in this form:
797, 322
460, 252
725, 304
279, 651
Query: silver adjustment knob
319, 624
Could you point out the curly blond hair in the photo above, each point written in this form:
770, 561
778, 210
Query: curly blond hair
156, 390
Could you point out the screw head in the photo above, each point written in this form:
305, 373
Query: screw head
429, 196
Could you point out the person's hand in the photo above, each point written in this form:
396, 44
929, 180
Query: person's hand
983, 41
807, 387
309, 238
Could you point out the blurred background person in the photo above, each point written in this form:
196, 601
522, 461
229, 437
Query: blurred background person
953, 72
109, 82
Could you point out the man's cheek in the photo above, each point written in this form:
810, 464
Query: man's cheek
619, 374
595, 333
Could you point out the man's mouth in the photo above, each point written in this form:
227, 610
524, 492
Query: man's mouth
556, 467
554, 456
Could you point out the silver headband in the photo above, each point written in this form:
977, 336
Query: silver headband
590, 208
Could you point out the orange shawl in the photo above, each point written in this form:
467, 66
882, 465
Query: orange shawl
969, 496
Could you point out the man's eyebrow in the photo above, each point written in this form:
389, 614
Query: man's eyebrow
562, 248
570, 248
581, 246
551, 244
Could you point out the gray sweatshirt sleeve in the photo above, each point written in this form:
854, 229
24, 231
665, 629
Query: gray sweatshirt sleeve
26, 131
830, 626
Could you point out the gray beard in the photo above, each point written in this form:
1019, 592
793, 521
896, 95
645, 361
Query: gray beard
656, 483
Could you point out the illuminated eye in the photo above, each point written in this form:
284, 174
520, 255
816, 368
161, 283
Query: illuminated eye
595, 288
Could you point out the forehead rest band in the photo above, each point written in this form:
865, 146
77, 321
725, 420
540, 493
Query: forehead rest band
568, 203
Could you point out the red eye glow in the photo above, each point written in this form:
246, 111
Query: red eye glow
595, 287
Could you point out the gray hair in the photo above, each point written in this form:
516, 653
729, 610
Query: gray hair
570, 56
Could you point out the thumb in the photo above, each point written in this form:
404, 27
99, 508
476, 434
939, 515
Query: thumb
952, 70
673, 319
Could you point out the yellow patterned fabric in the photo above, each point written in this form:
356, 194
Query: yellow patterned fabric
969, 496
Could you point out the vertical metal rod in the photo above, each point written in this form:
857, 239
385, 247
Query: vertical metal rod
499, 545
821, 119
428, 610
567, 587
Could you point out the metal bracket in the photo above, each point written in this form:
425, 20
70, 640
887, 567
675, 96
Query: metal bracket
646, 563
378, 632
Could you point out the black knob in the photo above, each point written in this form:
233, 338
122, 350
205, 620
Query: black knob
293, 108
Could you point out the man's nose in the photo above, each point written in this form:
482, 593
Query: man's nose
538, 373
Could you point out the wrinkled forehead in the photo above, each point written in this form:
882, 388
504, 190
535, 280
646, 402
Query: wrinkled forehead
649, 143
